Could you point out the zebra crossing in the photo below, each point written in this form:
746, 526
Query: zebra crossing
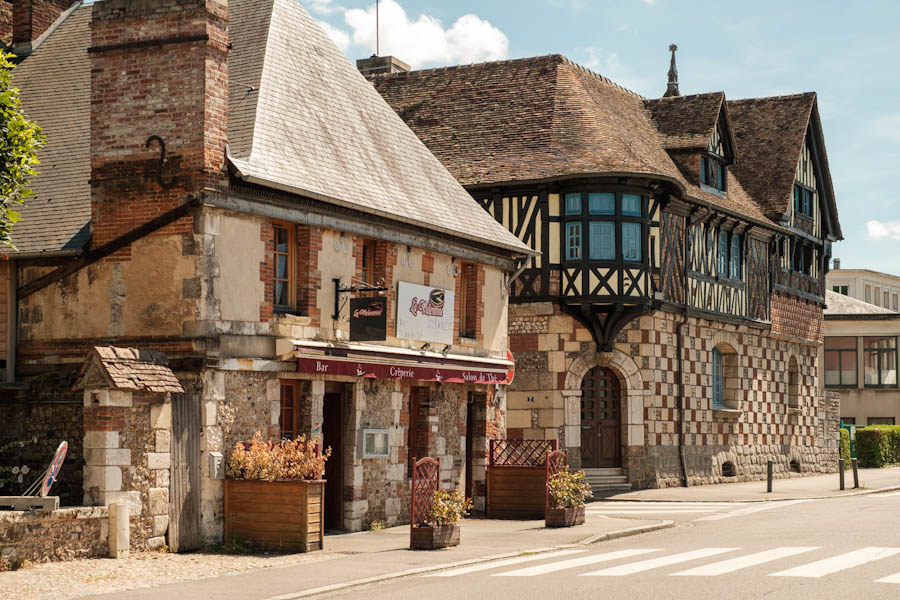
636, 561
696, 511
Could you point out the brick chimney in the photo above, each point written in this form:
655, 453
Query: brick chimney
159, 79
31, 18
381, 64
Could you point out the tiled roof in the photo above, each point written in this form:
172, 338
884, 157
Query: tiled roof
686, 121
537, 119
839, 304
321, 130
769, 134
133, 369
55, 88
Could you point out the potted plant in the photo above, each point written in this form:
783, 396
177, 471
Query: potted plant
274, 494
566, 493
441, 530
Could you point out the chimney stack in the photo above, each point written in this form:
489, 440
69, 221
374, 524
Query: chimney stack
381, 64
31, 18
837, 264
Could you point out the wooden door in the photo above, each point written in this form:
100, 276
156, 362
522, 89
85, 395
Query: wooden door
601, 428
184, 484
333, 437
474, 407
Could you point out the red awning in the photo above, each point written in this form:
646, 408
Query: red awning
357, 360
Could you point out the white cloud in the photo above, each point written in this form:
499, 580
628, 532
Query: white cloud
323, 7
338, 36
423, 40
877, 230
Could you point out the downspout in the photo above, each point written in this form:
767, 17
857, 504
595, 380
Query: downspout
680, 349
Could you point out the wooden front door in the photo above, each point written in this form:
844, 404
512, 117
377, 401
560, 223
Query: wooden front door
333, 437
601, 423
184, 483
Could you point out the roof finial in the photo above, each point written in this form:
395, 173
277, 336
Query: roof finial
672, 86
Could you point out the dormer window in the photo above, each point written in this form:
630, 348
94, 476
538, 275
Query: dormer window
713, 173
803, 200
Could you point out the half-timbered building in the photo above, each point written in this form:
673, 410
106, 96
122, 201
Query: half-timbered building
672, 323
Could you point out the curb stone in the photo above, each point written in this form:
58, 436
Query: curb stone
602, 537
861, 492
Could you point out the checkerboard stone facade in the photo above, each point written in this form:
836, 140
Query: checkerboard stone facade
553, 353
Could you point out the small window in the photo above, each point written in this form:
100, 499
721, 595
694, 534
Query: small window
803, 200
573, 204
793, 383
631, 241
841, 289
704, 173
283, 288
289, 420
880, 359
848, 421
880, 421
601, 204
840, 361
631, 205
376, 443
736, 270
573, 241
602, 240
722, 264
718, 400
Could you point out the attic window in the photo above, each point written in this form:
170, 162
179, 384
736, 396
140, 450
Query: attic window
803, 200
713, 173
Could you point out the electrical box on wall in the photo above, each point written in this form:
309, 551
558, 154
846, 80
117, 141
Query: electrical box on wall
216, 465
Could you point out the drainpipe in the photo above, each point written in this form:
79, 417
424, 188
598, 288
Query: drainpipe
680, 349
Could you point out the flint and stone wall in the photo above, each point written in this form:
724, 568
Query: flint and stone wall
554, 352
65, 534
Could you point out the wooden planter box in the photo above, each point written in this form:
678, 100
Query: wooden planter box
286, 516
516, 492
432, 538
564, 517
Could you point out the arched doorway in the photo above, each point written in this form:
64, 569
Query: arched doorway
601, 419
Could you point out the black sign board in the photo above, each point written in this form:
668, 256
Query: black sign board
368, 319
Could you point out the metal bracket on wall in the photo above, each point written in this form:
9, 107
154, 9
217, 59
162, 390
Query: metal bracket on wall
354, 289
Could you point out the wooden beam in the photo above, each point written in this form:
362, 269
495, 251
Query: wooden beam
106, 249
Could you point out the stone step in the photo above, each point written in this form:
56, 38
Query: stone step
610, 487
606, 479
603, 471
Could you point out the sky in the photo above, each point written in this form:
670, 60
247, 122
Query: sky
847, 52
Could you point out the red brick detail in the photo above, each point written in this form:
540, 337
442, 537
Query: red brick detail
267, 270
385, 261
523, 342
28, 19
136, 93
309, 277
797, 318
105, 418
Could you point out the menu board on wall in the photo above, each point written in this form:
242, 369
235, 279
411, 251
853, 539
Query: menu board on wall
424, 313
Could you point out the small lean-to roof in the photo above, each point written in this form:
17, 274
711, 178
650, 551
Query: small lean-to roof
687, 122
55, 88
538, 119
129, 369
838, 304
316, 127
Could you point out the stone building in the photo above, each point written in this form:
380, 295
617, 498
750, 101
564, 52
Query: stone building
861, 360
263, 218
669, 332
872, 287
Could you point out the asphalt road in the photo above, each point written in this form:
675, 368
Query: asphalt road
816, 549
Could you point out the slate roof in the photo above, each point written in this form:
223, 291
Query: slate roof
132, 369
55, 87
541, 118
302, 119
839, 304
321, 130
770, 134
686, 121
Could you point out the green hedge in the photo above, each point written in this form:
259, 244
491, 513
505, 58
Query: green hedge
878, 445
845, 447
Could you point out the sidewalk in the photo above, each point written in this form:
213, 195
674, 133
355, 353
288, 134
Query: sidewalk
795, 488
346, 558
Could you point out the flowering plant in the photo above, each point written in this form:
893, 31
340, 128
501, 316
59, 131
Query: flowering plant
568, 489
447, 508
288, 460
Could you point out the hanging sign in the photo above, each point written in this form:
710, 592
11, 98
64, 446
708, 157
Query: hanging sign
55, 466
368, 319
424, 313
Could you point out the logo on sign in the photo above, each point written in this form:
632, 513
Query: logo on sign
374, 309
433, 307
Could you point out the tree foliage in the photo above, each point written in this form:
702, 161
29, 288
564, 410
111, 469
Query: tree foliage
20, 140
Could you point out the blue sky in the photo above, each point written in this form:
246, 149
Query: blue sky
848, 52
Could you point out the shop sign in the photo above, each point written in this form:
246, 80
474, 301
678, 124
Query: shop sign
443, 374
368, 319
424, 313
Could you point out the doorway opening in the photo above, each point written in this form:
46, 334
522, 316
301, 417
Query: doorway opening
333, 425
601, 420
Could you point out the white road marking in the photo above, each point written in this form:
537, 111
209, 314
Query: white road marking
838, 563
753, 509
575, 562
895, 578
672, 503
635, 511
654, 563
742, 562
503, 563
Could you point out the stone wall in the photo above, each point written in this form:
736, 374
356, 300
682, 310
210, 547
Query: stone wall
553, 352
65, 534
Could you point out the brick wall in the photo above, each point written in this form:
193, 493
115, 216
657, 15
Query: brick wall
31, 18
131, 82
797, 318
309, 277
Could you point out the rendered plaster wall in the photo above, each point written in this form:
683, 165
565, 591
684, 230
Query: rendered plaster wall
239, 251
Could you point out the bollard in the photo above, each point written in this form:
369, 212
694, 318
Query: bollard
769, 469
855, 465
841, 471
119, 542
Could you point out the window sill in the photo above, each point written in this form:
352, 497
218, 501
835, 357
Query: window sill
712, 190
727, 411
464, 339
794, 410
